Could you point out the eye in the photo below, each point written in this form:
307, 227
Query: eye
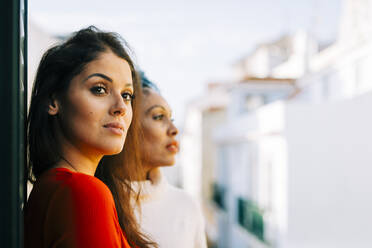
158, 117
98, 90
127, 96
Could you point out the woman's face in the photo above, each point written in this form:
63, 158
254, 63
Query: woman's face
95, 113
160, 146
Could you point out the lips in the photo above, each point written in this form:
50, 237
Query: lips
115, 127
172, 147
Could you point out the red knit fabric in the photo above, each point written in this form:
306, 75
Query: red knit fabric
68, 209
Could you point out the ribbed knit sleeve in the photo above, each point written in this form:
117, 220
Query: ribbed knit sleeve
200, 235
170, 216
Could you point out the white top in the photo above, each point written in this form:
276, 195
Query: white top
168, 215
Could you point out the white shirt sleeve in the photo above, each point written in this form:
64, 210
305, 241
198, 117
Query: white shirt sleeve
200, 234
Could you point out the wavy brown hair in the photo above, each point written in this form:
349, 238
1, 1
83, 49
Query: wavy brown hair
117, 171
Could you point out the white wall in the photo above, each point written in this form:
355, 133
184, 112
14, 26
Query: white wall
190, 156
330, 174
252, 164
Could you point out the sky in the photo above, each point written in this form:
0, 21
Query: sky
184, 45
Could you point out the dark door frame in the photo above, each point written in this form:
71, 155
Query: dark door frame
13, 92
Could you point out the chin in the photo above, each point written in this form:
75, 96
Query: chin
168, 163
113, 148
116, 151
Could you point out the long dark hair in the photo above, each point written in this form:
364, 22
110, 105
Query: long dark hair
58, 66
56, 69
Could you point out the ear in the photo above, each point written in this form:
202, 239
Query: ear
53, 107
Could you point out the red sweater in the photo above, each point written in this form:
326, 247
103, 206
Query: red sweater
71, 210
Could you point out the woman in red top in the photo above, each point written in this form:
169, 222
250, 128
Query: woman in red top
81, 110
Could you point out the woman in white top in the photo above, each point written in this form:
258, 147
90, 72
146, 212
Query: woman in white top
168, 215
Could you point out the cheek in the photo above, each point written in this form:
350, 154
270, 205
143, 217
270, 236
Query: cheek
86, 116
82, 126
83, 115
152, 135
128, 117
152, 143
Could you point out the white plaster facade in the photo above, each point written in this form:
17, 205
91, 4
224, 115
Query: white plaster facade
307, 167
304, 161
343, 69
197, 156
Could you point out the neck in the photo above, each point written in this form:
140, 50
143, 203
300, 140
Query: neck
78, 164
78, 160
145, 174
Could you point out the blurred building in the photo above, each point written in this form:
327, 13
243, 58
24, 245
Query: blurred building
284, 161
251, 147
38, 42
283, 58
342, 69
198, 153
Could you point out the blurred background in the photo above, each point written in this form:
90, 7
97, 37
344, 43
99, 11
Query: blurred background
272, 99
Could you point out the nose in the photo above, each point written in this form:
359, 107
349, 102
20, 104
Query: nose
119, 107
172, 130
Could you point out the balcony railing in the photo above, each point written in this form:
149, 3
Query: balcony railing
219, 196
250, 217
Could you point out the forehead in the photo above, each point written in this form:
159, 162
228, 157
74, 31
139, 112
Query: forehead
152, 98
111, 65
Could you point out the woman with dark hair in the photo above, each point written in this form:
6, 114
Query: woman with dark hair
81, 109
168, 215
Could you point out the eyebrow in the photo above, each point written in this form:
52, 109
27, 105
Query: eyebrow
99, 75
105, 77
155, 106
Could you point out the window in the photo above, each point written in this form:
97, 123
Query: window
252, 102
